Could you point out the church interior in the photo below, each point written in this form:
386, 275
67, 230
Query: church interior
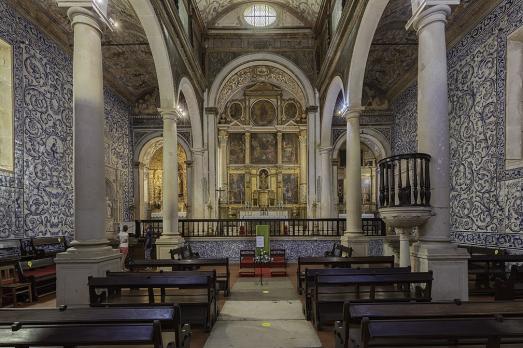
279, 173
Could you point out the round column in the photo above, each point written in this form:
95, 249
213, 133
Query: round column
170, 173
303, 167
88, 110
199, 187
433, 118
222, 139
404, 246
353, 173
326, 183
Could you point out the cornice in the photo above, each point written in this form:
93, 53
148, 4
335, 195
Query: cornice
343, 38
168, 16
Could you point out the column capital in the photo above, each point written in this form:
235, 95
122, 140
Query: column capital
211, 110
430, 11
198, 151
189, 163
311, 109
82, 15
352, 113
325, 149
170, 114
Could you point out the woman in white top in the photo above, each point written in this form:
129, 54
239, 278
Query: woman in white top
124, 244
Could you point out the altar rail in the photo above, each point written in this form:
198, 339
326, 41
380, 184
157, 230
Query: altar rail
277, 227
404, 180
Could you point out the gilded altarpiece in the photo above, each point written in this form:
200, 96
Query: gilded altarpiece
263, 132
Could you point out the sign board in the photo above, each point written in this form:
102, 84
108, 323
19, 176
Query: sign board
260, 242
262, 233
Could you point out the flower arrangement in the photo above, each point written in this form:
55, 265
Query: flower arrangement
262, 257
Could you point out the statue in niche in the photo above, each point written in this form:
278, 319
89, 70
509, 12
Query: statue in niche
109, 208
264, 180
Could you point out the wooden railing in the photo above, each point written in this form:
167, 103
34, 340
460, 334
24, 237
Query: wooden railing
277, 227
404, 180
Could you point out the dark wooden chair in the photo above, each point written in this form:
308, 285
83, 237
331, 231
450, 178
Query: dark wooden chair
512, 287
247, 263
11, 287
278, 263
41, 273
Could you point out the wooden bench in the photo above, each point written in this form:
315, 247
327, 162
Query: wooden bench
222, 278
49, 335
485, 269
511, 288
343, 262
353, 313
197, 307
183, 253
41, 273
489, 332
331, 292
11, 286
312, 273
169, 318
48, 246
278, 263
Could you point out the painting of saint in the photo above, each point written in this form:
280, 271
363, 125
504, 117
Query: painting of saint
263, 113
236, 188
263, 148
236, 148
235, 111
290, 188
290, 148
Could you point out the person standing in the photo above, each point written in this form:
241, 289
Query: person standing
123, 236
149, 239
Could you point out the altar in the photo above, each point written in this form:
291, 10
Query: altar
255, 214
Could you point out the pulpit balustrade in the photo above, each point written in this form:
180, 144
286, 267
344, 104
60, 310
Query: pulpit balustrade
404, 180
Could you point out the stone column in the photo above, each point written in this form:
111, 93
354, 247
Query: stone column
279, 142
198, 203
171, 237
334, 187
404, 234
222, 140
312, 115
354, 236
212, 114
434, 251
191, 188
90, 254
303, 167
325, 175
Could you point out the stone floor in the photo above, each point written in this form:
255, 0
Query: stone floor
268, 315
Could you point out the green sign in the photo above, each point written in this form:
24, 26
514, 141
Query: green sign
262, 240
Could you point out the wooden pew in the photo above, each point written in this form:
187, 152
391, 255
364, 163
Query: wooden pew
485, 269
312, 273
331, 292
511, 288
222, 278
197, 307
41, 273
169, 318
353, 313
343, 262
48, 246
49, 335
442, 332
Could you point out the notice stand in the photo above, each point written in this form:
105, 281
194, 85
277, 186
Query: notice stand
262, 256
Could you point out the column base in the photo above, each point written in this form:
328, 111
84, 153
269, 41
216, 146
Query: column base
166, 243
73, 268
449, 265
358, 242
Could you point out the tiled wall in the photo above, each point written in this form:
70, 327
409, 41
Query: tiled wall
486, 201
37, 199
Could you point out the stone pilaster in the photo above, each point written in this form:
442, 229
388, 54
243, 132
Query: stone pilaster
434, 251
212, 121
90, 254
198, 203
312, 203
325, 173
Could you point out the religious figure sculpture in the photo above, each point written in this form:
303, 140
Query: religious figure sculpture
264, 179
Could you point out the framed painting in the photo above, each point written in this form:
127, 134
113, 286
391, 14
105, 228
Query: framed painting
290, 188
236, 148
236, 188
263, 113
290, 148
263, 148
6, 107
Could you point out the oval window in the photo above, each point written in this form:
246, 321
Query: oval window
259, 15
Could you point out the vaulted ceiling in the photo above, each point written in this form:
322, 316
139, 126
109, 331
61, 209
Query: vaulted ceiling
211, 10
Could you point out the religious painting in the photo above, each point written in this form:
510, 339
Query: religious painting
236, 148
290, 112
290, 148
290, 188
236, 111
263, 148
263, 113
6, 107
237, 188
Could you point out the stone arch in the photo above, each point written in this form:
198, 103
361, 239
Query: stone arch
333, 91
366, 30
153, 30
185, 87
268, 59
376, 141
